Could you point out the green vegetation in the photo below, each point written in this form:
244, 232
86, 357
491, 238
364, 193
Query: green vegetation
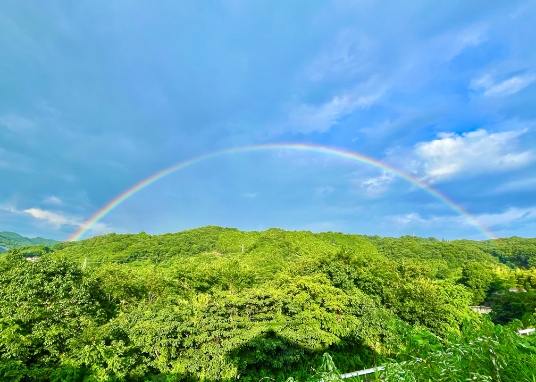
509, 306
11, 240
221, 304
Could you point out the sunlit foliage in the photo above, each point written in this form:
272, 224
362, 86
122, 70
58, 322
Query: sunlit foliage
220, 304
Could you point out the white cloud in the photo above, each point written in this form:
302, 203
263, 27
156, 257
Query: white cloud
419, 221
500, 223
251, 195
8, 208
307, 118
473, 152
13, 161
15, 123
57, 219
351, 59
507, 217
423, 54
53, 200
100, 228
53, 218
407, 218
409, 121
377, 185
324, 190
518, 185
345, 56
473, 35
502, 88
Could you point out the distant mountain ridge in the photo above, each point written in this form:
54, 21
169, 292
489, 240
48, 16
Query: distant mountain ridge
9, 240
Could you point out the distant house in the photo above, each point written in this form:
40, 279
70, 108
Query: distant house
526, 332
481, 309
515, 290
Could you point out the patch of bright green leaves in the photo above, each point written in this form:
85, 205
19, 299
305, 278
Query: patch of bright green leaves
221, 304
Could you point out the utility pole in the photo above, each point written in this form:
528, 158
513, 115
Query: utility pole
85, 263
242, 247
412, 232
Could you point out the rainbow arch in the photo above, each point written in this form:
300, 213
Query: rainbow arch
111, 205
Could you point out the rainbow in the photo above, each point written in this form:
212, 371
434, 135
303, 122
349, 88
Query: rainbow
86, 226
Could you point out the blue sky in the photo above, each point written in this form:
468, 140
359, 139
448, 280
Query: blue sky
95, 96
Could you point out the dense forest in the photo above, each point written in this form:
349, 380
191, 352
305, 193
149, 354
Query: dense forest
10, 240
222, 304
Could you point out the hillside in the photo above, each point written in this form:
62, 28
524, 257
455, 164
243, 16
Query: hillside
9, 240
217, 303
439, 256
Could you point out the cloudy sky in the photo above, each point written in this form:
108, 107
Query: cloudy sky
96, 96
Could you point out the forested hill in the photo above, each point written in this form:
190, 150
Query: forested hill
442, 255
221, 304
10, 240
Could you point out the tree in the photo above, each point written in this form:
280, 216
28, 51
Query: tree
477, 279
44, 305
